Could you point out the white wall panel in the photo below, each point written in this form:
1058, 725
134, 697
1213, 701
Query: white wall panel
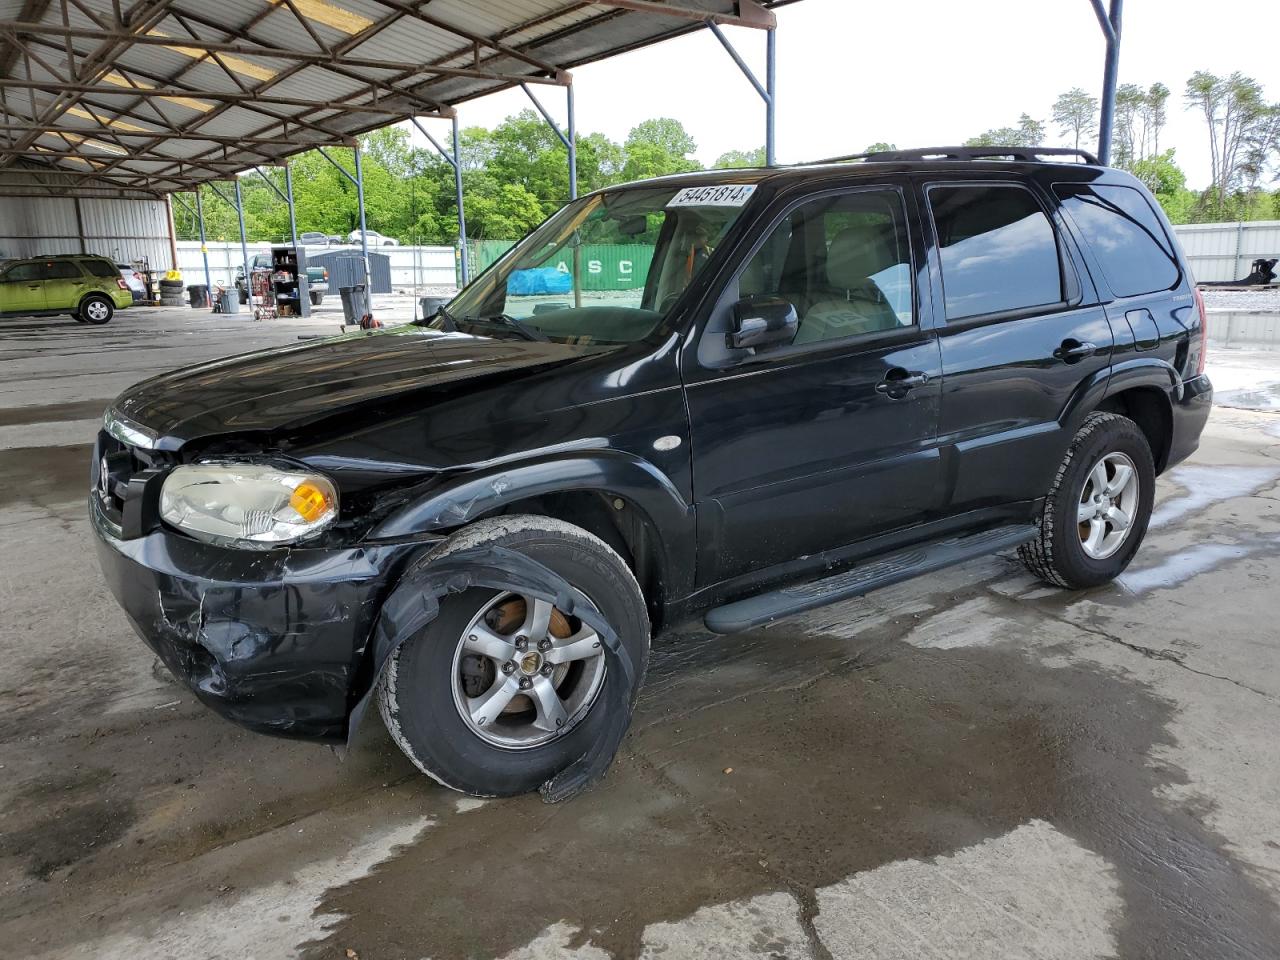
1224, 251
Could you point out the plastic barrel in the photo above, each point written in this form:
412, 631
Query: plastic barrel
198, 294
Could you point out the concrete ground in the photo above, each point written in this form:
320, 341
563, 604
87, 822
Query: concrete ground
970, 765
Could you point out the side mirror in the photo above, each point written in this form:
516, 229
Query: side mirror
761, 320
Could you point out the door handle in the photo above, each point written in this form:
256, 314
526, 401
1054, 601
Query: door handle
1072, 350
898, 381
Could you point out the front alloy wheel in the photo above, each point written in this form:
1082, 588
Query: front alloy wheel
1108, 503
524, 673
502, 691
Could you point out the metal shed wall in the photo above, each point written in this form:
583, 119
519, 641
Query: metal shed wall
1224, 251
125, 230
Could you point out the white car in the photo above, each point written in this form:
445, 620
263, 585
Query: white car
375, 239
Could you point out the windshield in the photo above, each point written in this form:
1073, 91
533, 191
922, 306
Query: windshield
605, 269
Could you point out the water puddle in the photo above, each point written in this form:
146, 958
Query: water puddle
1206, 485
1182, 566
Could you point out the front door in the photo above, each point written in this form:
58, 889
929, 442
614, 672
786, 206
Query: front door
830, 438
22, 289
1023, 332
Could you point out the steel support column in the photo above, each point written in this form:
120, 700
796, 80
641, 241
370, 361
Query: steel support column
238, 203
572, 143
771, 105
293, 214
1110, 23
454, 159
765, 90
569, 139
457, 188
204, 248
364, 236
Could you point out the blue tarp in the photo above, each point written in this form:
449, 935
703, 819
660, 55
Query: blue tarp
538, 280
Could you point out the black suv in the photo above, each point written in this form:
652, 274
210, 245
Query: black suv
746, 393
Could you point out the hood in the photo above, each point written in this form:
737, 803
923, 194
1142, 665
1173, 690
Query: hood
290, 386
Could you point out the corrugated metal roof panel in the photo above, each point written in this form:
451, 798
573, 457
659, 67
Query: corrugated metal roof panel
199, 98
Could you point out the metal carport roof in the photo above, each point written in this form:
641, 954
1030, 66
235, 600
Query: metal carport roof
160, 95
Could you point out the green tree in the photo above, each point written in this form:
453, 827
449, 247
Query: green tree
880, 147
731, 159
1139, 118
657, 147
1028, 133
1241, 131
1165, 179
1076, 114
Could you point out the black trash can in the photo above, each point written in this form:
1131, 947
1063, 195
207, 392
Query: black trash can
431, 304
355, 304
198, 294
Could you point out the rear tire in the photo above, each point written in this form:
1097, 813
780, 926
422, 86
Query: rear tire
1107, 476
96, 309
430, 689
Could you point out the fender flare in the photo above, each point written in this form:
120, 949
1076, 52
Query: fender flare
1138, 372
459, 499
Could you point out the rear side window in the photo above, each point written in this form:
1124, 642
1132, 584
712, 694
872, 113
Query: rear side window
1129, 240
59, 270
997, 247
100, 268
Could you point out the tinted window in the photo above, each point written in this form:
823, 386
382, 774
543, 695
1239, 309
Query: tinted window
23, 271
998, 250
59, 270
1123, 230
843, 261
100, 268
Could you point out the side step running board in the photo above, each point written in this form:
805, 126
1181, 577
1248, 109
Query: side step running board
894, 568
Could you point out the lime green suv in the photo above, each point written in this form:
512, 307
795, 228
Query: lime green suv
90, 289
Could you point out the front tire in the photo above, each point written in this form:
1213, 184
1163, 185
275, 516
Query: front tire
1097, 510
500, 692
96, 310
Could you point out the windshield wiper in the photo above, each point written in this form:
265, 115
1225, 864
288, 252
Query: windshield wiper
506, 320
447, 323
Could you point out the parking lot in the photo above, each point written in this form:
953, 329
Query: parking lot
970, 764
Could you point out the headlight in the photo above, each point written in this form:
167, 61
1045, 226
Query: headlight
247, 504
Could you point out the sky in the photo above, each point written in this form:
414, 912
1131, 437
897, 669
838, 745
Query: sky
923, 73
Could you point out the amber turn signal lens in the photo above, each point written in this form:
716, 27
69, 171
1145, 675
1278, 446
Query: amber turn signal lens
310, 501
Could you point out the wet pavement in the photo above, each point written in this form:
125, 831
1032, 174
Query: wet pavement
969, 765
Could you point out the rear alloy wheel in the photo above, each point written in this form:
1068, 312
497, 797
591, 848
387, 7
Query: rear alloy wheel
503, 690
1108, 503
96, 310
1096, 513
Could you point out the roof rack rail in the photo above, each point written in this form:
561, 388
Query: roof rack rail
1028, 154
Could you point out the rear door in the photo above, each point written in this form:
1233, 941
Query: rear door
1021, 331
830, 439
1136, 259
64, 284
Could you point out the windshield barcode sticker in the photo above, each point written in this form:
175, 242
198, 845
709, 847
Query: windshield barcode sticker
718, 195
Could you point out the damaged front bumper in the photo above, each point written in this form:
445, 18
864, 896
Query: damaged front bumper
275, 640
